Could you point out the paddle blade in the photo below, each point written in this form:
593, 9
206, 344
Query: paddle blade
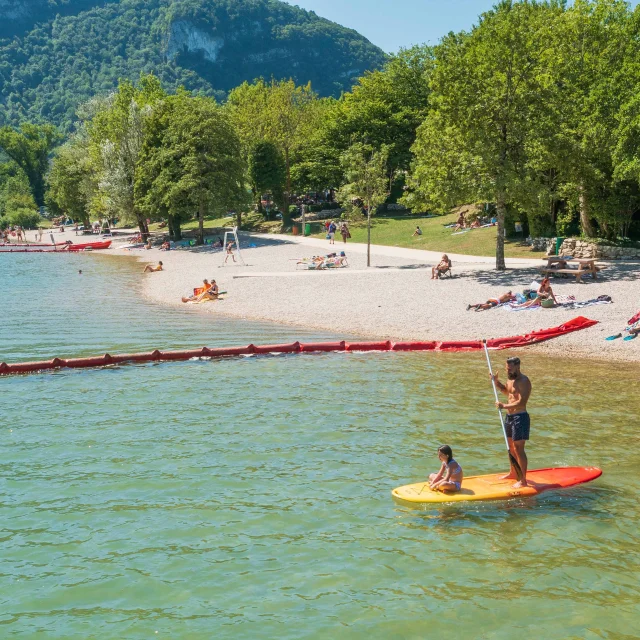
516, 466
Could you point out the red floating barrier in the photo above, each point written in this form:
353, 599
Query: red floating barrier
292, 347
322, 346
297, 347
414, 346
369, 346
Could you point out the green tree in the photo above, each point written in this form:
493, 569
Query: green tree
71, 180
267, 171
595, 63
385, 107
279, 112
491, 93
116, 133
191, 162
29, 147
365, 172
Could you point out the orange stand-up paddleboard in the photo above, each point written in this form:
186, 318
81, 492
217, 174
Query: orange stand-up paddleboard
492, 487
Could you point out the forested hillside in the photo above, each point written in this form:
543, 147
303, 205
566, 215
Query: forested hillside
56, 54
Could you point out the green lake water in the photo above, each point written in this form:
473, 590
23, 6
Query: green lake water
250, 497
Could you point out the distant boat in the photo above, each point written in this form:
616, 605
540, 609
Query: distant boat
48, 248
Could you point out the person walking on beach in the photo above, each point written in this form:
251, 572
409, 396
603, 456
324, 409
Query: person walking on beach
344, 232
517, 421
229, 252
332, 232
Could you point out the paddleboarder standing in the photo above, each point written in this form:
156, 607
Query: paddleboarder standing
517, 422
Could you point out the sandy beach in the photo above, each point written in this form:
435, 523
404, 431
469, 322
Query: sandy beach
393, 299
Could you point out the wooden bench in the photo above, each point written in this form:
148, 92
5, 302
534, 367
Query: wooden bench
570, 272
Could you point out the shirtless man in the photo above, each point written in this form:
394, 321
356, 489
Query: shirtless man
517, 422
492, 302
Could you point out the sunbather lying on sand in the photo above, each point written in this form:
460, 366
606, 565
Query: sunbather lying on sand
149, 268
492, 302
197, 293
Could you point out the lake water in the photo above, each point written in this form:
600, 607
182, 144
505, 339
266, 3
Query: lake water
250, 498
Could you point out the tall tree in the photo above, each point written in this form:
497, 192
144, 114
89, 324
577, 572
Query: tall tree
117, 133
29, 148
192, 162
365, 172
267, 171
279, 112
490, 92
594, 41
71, 181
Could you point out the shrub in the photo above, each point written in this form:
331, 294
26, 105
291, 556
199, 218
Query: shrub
25, 218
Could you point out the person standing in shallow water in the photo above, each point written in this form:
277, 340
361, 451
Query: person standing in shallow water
517, 421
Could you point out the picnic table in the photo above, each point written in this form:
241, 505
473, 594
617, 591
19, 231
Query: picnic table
563, 266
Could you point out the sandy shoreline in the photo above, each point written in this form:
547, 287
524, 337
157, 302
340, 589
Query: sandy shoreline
394, 299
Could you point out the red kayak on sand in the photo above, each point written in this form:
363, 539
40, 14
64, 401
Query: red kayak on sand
58, 247
105, 244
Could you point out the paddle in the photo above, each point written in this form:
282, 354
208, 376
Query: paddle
512, 460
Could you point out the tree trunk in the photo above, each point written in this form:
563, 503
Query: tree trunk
238, 219
142, 225
200, 238
368, 234
286, 218
175, 232
501, 210
585, 220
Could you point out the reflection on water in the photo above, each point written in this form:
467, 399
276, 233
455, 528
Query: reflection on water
251, 497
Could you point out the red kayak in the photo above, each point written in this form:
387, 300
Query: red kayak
105, 244
48, 248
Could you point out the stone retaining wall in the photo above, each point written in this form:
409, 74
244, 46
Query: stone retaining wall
583, 249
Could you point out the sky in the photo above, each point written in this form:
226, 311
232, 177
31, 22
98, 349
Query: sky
392, 24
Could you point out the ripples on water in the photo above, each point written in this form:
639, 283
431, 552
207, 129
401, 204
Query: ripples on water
250, 498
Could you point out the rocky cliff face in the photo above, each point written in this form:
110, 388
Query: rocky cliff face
186, 37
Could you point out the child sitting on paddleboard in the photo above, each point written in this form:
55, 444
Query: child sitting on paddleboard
449, 478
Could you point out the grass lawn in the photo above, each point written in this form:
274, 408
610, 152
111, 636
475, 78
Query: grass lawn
397, 232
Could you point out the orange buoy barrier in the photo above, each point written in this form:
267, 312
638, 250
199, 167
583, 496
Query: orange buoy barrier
297, 347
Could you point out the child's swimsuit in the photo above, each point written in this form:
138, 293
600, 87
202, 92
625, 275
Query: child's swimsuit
455, 469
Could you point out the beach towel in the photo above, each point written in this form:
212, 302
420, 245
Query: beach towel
634, 319
586, 303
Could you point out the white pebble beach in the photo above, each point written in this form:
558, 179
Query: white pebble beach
395, 298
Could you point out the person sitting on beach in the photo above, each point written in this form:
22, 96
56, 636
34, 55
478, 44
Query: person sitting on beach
417, 232
148, 245
449, 478
166, 246
545, 292
442, 267
150, 269
197, 292
492, 302
212, 293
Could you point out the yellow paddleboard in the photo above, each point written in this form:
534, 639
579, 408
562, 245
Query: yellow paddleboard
492, 487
